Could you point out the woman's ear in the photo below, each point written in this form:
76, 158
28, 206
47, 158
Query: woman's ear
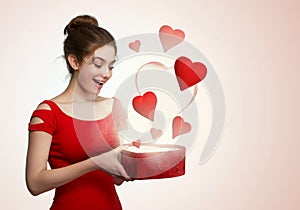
73, 62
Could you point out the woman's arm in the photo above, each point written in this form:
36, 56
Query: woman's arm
39, 179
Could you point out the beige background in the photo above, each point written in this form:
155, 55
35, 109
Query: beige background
255, 49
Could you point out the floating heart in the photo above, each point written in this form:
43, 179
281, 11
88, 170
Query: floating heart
145, 105
136, 143
169, 37
155, 133
180, 127
135, 45
188, 73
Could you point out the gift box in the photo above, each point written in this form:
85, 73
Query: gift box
154, 161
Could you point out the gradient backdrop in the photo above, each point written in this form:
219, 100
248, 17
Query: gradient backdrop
254, 47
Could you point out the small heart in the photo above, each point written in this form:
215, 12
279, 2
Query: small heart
155, 133
145, 105
180, 127
135, 45
169, 37
188, 73
136, 143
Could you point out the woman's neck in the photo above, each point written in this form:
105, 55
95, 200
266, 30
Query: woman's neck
73, 93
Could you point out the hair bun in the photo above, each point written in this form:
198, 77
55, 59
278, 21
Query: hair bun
80, 21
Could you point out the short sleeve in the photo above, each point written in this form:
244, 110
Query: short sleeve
49, 121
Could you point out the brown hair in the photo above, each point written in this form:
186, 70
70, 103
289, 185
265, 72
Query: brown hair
84, 36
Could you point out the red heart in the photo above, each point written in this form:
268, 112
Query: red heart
188, 73
145, 105
136, 143
155, 133
180, 127
169, 37
135, 45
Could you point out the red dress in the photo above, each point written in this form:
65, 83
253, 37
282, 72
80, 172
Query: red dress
75, 140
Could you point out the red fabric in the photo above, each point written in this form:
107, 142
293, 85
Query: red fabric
74, 140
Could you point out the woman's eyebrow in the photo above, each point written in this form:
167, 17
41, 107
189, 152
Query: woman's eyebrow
102, 59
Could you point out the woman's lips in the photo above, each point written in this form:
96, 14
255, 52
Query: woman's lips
98, 83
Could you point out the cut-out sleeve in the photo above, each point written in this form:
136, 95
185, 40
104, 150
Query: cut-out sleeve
48, 123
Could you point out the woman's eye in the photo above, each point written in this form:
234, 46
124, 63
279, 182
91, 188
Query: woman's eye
98, 65
111, 68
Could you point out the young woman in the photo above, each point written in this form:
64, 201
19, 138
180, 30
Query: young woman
76, 131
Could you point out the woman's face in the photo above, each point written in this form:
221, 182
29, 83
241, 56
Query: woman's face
96, 70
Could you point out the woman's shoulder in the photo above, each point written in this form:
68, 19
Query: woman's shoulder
52, 105
111, 103
104, 103
45, 105
104, 99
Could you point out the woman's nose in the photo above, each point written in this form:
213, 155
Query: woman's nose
107, 74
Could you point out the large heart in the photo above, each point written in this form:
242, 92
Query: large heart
180, 127
169, 37
189, 73
145, 104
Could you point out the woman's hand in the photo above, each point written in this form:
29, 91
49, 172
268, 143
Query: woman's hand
110, 162
118, 180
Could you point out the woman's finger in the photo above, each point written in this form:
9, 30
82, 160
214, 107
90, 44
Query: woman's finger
123, 173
